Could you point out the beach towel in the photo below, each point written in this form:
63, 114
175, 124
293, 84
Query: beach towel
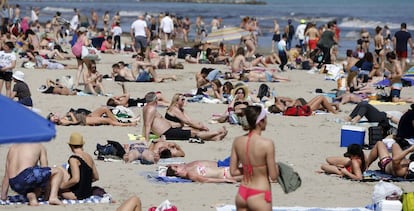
153, 177
377, 102
229, 207
20, 199
288, 179
377, 175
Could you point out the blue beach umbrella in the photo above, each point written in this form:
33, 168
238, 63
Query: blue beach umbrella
19, 124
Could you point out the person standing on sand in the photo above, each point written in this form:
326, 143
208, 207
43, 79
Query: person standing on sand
26, 172
326, 42
140, 35
276, 34
167, 27
400, 40
256, 155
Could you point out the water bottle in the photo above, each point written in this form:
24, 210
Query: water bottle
273, 92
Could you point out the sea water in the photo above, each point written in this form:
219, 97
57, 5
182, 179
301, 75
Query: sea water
351, 15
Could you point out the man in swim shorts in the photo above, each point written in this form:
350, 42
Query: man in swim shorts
24, 176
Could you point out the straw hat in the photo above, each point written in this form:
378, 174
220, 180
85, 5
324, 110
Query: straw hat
240, 86
76, 139
18, 75
82, 29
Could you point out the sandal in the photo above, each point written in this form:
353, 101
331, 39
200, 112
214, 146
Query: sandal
195, 140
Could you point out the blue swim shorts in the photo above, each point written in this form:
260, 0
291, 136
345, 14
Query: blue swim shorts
29, 179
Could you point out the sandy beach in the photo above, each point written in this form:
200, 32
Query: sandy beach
302, 142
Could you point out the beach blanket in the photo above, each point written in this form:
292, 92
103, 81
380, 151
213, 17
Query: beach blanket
20, 199
377, 175
377, 102
229, 33
153, 177
229, 207
407, 77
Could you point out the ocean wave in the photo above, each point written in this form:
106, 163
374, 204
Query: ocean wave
60, 9
358, 23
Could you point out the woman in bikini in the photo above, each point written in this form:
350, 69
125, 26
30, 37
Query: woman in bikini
351, 165
202, 171
397, 165
256, 155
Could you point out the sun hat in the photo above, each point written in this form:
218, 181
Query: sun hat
240, 86
76, 139
82, 29
353, 149
18, 75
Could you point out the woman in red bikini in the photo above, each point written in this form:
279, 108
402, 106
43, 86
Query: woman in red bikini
256, 154
351, 165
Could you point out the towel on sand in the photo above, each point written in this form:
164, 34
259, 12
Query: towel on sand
229, 207
20, 199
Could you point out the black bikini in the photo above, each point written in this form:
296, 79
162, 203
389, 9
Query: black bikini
83, 189
172, 118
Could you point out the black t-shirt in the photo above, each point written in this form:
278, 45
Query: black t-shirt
21, 89
405, 126
402, 39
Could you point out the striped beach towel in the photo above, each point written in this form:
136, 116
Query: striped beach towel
20, 199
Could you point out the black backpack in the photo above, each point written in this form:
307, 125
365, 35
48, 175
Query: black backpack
111, 149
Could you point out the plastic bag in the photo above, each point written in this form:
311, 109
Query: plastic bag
382, 190
90, 53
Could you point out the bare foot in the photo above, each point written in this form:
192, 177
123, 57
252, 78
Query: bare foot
32, 199
55, 201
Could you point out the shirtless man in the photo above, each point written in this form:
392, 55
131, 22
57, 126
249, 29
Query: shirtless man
144, 71
156, 123
262, 76
94, 19
26, 172
312, 34
395, 79
276, 34
203, 171
215, 24
121, 74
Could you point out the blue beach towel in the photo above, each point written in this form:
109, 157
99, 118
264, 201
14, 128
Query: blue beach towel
377, 175
20, 199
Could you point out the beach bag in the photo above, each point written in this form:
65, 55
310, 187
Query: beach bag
123, 112
90, 53
77, 49
408, 201
67, 81
384, 190
299, 110
374, 135
112, 148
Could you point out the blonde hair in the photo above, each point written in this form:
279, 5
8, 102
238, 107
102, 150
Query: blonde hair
174, 100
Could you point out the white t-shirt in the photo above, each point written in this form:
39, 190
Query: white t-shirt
139, 27
74, 22
117, 30
167, 24
281, 45
6, 59
300, 31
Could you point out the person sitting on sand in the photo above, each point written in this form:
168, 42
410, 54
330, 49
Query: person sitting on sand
126, 101
55, 87
156, 123
397, 165
204, 171
26, 172
93, 80
121, 74
100, 116
317, 103
82, 172
106, 46
351, 165
145, 71
152, 153
239, 62
178, 118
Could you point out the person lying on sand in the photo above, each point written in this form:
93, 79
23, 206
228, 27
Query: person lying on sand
203, 171
126, 101
100, 116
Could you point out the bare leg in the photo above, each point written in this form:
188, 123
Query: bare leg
32, 199
131, 204
78, 73
320, 101
55, 182
8, 88
378, 151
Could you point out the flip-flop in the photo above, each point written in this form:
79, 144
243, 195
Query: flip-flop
195, 140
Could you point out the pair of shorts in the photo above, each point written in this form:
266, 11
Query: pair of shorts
395, 93
269, 77
140, 42
177, 134
6, 76
276, 37
30, 179
144, 76
27, 101
402, 54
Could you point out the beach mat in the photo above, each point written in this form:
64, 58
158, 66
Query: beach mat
20, 199
377, 175
233, 208
153, 177
377, 102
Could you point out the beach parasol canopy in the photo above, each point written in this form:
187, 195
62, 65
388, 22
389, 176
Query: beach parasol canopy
230, 33
19, 124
